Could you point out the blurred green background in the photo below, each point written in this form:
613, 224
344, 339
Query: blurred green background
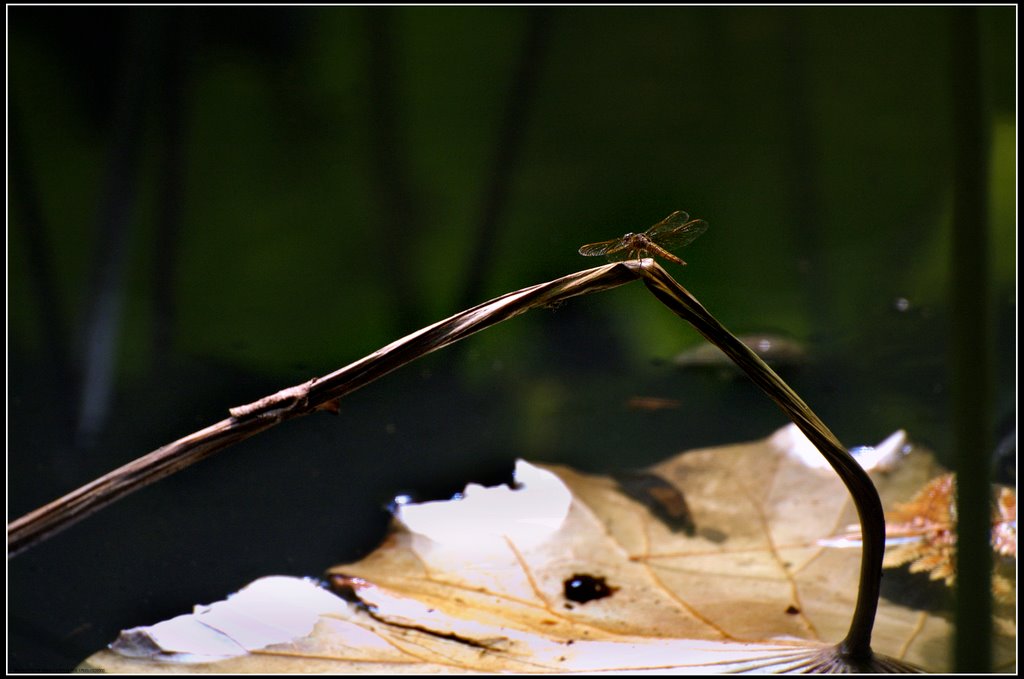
210, 204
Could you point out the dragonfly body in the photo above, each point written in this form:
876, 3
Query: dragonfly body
675, 231
640, 246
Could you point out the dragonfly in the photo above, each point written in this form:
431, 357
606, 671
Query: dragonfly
675, 231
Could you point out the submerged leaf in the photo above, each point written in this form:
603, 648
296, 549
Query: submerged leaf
567, 572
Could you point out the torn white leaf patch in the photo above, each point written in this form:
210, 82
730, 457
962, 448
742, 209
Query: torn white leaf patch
271, 610
881, 457
527, 514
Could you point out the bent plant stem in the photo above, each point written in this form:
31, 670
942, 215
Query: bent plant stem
323, 393
856, 647
319, 393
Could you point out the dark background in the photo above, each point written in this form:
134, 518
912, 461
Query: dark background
208, 205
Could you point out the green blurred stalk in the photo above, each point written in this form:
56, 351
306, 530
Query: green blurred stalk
971, 359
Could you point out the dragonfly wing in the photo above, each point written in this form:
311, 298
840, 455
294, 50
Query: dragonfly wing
605, 247
683, 234
625, 252
669, 224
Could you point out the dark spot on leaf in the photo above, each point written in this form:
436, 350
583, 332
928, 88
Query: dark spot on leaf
583, 588
792, 610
